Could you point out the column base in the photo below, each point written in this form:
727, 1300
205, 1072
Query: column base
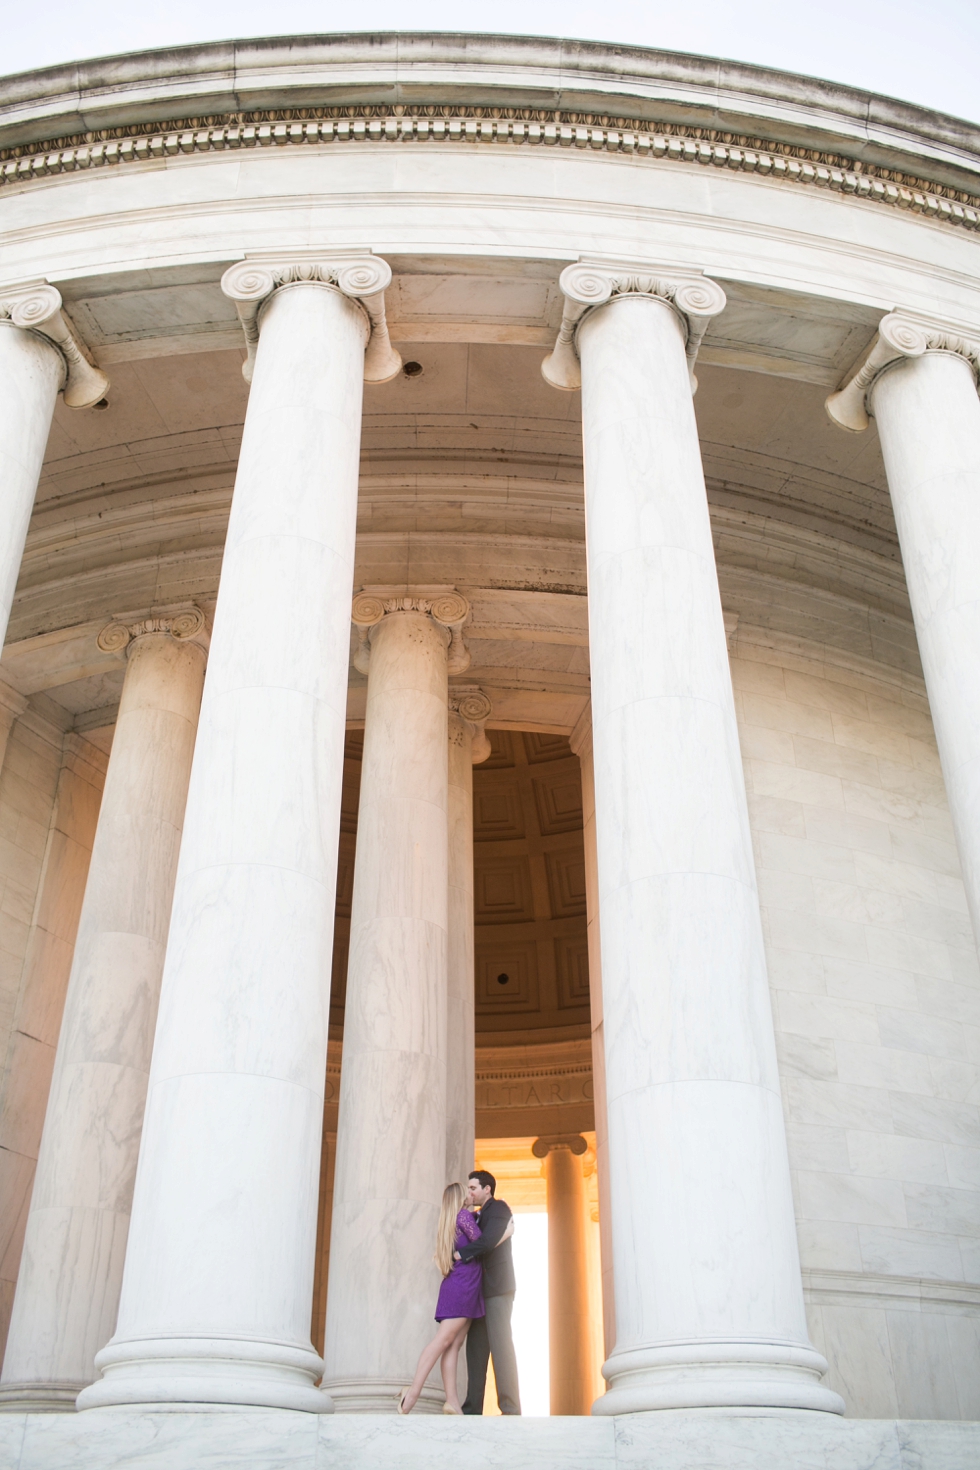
181, 1371
39, 1398
379, 1396
717, 1375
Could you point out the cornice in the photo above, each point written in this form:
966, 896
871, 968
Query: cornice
478, 69
792, 163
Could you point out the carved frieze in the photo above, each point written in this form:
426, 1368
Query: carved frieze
646, 140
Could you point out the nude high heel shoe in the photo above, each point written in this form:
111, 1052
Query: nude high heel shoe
401, 1402
448, 1409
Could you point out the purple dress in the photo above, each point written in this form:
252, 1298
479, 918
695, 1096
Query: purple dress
461, 1292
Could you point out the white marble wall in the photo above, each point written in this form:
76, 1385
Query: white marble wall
876, 998
47, 820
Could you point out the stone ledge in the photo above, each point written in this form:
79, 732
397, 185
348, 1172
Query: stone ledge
276, 1439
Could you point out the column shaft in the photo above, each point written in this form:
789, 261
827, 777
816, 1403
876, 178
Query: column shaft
391, 1128
709, 1303
928, 417
570, 1356
218, 1283
71, 1268
31, 372
460, 1027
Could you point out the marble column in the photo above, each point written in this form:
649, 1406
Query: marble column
920, 384
71, 1268
569, 1344
215, 1302
391, 1124
469, 709
38, 358
581, 743
709, 1300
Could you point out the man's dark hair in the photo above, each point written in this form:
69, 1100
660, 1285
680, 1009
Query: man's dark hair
484, 1178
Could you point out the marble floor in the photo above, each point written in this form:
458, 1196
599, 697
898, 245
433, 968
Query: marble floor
274, 1439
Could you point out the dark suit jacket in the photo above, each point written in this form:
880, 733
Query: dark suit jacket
498, 1260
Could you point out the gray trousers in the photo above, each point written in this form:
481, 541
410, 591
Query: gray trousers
490, 1336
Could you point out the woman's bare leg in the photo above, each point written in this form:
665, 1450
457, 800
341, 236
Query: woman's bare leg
450, 1359
430, 1356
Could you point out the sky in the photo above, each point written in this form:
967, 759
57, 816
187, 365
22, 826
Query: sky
928, 53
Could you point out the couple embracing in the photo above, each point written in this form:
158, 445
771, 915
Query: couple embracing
476, 1299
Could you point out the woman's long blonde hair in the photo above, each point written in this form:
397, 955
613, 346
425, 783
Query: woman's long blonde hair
452, 1202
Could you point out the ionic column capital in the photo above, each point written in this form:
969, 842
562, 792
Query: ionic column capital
185, 623
574, 1142
592, 283
472, 708
35, 306
901, 334
361, 276
447, 608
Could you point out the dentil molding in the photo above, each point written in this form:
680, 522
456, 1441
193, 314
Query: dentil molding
789, 163
36, 307
900, 334
593, 282
446, 607
186, 623
359, 275
473, 708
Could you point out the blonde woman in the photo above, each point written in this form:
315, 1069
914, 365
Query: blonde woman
460, 1300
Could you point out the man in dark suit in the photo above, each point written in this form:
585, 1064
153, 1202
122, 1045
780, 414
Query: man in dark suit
490, 1336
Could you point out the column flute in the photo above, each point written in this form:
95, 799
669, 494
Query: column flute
215, 1303
709, 1300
